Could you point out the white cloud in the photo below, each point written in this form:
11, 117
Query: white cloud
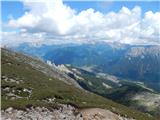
51, 20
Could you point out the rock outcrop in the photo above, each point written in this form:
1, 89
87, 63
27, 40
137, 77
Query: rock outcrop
65, 112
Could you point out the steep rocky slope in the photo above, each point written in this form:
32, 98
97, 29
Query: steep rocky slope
133, 94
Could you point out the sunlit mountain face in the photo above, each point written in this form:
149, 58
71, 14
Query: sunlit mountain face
108, 48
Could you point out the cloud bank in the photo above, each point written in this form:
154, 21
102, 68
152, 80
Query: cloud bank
52, 21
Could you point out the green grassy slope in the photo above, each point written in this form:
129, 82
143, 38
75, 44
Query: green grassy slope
43, 86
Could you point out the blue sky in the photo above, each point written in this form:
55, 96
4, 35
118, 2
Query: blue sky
105, 6
16, 9
55, 21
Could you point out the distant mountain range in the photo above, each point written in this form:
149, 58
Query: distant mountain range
134, 62
34, 89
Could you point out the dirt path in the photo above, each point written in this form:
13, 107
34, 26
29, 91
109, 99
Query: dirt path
100, 114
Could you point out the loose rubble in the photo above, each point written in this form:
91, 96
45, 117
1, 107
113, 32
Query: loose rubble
65, 112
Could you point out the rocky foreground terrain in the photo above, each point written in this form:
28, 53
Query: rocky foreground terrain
41, 113
65, 112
